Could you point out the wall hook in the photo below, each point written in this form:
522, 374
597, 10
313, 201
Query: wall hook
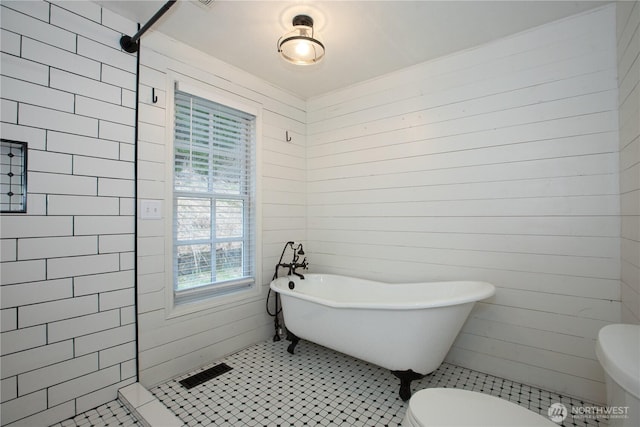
154, 97
287, 137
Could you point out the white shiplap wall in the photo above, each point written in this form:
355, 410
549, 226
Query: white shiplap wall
171, 346
629, 104
67, 271
499, 163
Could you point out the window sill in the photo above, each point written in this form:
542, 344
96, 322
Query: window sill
174, 310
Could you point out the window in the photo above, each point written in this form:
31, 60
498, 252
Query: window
214, 186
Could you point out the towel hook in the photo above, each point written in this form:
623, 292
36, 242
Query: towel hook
154, 97
287, 137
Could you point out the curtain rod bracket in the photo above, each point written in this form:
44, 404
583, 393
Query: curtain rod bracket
130, 44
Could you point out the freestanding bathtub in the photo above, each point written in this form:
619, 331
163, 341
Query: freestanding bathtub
407, 328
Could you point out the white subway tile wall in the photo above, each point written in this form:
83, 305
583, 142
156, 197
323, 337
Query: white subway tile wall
68, 331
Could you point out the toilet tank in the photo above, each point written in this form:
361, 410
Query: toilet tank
618, 350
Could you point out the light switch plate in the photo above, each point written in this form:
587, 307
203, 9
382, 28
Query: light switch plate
151, 209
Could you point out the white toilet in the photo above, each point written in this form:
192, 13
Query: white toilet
456, 407
618, 350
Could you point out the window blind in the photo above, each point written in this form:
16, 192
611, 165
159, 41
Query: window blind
214, 198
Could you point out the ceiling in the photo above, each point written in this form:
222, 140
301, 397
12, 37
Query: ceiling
363, 39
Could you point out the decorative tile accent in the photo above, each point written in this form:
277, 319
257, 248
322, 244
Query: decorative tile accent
13, 176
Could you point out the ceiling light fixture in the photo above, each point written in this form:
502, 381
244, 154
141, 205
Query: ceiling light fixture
299, 46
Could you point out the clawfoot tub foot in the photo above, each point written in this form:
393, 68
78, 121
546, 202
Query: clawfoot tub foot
294, 341
405, 382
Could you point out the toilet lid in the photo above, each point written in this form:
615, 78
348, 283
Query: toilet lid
618, 350
455, 407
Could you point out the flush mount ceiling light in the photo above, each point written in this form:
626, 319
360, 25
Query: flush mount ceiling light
299, 46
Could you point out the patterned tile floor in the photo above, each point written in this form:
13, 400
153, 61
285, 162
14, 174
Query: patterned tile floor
110, 414
318, 387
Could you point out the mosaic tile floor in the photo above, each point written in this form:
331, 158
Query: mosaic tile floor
110, 414
317, 387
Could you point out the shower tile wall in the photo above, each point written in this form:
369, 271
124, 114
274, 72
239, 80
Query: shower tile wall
498, 163
68, 321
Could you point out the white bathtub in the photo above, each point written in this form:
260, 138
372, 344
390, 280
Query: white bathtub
407, 328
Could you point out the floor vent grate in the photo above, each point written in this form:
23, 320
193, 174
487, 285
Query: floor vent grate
204, 376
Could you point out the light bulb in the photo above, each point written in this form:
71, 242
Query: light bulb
303, 48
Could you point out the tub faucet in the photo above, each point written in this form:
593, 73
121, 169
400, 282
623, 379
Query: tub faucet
297, 252
294, 265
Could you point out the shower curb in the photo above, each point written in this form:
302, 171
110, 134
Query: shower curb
146, 408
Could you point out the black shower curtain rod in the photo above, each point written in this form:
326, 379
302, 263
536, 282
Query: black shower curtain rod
130, 44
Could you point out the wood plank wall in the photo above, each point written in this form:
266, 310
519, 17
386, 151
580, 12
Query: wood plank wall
499, 163
171, 346
629, 103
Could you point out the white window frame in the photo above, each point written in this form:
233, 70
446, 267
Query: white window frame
203, 90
